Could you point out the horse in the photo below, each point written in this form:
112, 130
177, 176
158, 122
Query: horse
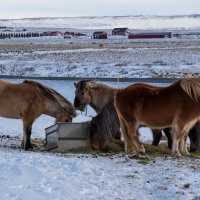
105, 125
30, 99
176, 106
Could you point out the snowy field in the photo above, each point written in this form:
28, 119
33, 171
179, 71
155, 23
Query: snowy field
46, 175
87, 58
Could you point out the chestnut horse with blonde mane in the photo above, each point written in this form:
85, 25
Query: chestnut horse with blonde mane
176, 106
28, 100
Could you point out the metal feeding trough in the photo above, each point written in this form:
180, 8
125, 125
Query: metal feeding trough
64, 136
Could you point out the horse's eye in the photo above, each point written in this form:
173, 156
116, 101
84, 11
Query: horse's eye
82, 93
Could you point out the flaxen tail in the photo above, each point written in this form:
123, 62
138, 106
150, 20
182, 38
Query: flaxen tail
192, 87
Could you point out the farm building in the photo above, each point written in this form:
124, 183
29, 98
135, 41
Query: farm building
146, 35
68, 35
52, 33
73, 34
100, 35
120, 31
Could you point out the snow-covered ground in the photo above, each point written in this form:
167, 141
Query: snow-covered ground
28, 175
46, 175
94, 58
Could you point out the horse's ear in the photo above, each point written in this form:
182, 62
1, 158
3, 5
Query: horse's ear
75, 85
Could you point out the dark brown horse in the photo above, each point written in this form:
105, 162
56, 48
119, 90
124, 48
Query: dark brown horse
104, 127
29, 100
176, 106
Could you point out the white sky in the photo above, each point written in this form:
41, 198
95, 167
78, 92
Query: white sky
15, 9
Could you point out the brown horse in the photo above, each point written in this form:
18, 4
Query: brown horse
29, 100
178, 107
105, 124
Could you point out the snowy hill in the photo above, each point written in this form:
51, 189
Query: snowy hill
182, 22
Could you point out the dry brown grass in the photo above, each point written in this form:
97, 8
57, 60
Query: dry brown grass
117, 147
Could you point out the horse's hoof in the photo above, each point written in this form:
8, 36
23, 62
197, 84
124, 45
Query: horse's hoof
142, 153
186, 154
133, 156
141, 150
132, 153
178, 155
26, 147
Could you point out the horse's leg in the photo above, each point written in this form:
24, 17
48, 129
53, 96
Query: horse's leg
134, 134
183, 144
138, 144
194, 135
168, 134
157, 135
176, 136
26, 141
128, 140
118, 134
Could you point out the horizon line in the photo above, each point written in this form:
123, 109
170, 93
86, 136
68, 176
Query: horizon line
92, 16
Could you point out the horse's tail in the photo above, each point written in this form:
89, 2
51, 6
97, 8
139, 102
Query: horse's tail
119, 104
192, 87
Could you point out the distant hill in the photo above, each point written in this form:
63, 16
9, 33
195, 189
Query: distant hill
182, 22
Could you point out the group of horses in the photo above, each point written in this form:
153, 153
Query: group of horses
174, 110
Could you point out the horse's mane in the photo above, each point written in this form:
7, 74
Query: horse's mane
81, 84
192, 87
52, 95
93, 85
96, 85
105, 125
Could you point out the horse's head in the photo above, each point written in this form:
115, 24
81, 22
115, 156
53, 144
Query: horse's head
66, 115
63, 117
82, 95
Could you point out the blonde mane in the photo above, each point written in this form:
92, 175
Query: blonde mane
52, 95
192, 87
96, 85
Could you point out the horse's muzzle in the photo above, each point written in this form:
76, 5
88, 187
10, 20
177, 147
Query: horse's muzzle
80, 107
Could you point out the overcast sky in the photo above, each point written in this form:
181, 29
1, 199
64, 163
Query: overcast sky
15, 9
